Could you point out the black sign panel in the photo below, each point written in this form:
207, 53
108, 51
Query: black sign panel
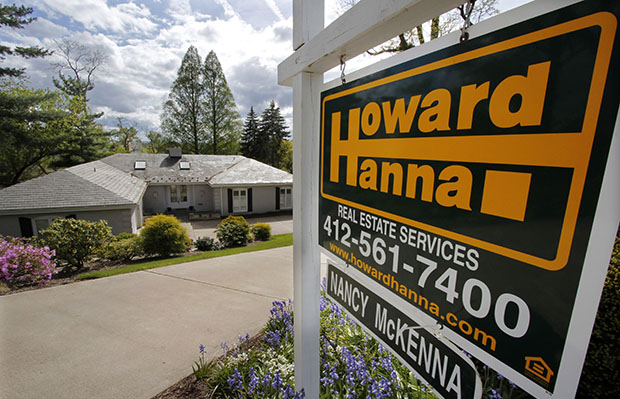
432, 359
466, 181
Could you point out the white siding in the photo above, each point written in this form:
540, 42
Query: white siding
217, 200
9, 226
202, 198
155, 199
263, 199
120, 220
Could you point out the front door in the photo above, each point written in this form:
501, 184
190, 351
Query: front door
240, 200
178, 196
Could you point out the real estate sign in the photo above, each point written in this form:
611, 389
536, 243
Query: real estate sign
433, 359
466, 181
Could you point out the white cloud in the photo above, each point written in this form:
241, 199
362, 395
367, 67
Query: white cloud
145, 48
274, 7
123, 18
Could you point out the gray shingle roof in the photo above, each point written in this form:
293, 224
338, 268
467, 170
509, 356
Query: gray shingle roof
248, 172
112, 181
217, 170
92, 184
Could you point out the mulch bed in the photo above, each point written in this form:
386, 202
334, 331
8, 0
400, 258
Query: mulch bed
191, 388
60, 279
188, 388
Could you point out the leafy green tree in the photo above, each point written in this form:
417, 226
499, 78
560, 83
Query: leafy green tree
184, 111
250, 146
76, 66
75, 241
436, 27
124, 137
286, 156
272, 130
603, 357
86, 141
79, 62
157, 143
221, 116
17, 17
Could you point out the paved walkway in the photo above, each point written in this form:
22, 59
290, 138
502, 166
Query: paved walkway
131, 336
280, 224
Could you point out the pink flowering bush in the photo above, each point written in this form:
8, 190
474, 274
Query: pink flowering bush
24, 264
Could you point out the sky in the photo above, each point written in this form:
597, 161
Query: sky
145, 41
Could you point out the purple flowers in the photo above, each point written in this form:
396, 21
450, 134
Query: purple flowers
280, 326
23, 263
353, 365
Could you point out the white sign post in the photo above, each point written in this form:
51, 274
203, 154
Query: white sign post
307, 22
368, 24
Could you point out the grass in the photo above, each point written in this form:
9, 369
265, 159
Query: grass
279, 240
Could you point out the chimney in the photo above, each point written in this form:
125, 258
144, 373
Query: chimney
175, 152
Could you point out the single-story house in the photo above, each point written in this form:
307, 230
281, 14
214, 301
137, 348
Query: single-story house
123, 188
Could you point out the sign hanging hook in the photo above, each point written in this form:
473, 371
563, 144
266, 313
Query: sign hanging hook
466, 10
343, 65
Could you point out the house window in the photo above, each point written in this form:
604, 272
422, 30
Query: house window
139, 165
286, 198
240, 200
178, 193
41, 224
184, 165
44, 222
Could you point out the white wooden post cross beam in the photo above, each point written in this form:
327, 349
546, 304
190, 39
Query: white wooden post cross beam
367, 24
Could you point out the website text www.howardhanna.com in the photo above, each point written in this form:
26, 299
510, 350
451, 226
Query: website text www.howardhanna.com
413, 297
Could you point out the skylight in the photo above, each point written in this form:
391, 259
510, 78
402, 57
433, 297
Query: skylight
184, 165
139, 165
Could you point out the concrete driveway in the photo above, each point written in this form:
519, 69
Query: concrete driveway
133, 335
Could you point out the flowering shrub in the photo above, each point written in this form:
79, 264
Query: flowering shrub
207, 244
76, 241
23, 263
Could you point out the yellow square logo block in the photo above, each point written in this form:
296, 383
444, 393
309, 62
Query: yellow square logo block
505, 194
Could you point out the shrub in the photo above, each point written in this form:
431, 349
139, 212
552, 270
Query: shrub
234, 231
603, 358
261, 231
207, 244
75, 241
124, 236
123, 249
22, 263
164, 235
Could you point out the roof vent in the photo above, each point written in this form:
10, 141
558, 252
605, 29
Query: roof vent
139, 165
175, 152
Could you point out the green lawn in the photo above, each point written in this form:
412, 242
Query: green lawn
279, 240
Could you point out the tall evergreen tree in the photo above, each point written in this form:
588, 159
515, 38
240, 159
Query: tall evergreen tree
221, 116
16, 17
33, 127
184, 112
272, 130
249, 139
